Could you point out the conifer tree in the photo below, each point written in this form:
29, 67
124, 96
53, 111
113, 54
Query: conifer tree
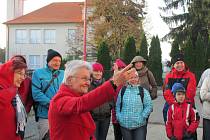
208, 55
144, 47
189, 54
174, 49
104, 58
200, 57
118, 19
155, 64
129, 50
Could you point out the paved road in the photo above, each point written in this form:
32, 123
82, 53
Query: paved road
156, 128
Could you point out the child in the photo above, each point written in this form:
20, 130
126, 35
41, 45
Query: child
133, 107
182, 119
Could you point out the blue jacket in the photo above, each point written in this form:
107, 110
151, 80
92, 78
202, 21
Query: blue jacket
134, 113
40, 79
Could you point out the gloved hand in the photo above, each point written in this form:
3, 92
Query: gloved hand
187, 135
14, 102
173, 138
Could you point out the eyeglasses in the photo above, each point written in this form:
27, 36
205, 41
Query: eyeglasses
21, 74
85, 79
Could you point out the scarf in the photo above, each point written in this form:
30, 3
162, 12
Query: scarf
21, 116
97, 83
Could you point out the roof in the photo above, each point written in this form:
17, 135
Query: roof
61, 12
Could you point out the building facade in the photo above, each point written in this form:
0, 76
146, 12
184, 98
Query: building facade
57, 26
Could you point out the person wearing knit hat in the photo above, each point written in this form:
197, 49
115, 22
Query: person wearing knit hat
102, 114
179, 73
97, 70
178, 62
52, 53
45, 84
177, 57
53, 59
178, 87
120, 63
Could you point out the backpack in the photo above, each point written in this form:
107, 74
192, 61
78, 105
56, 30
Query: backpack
141, 93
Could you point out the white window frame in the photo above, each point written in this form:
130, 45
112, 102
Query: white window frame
37, 36
35, 63
72, 35
44, 60
49, 36
21, 36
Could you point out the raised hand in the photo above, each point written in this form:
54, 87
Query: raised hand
121, 76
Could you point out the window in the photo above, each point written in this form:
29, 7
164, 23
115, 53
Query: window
49, 36
90, 29
72, 35
35, 36
20, 36
34, 61
90, 11
44, 60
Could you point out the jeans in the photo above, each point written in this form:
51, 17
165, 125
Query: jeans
102, 127
188, 139
206, 129
147, 120
117, 131
135, 134
43, 127
165, 111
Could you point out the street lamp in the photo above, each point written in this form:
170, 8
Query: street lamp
85, 29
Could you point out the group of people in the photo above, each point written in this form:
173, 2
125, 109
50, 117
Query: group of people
78, 103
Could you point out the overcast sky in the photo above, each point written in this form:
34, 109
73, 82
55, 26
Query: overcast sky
153, 23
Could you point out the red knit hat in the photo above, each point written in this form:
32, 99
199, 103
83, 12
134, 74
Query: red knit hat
120, 63
97, 67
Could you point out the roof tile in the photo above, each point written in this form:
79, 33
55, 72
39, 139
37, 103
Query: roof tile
62, 12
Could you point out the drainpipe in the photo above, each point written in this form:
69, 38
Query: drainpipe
7, 45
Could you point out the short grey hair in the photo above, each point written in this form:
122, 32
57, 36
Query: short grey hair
71, 68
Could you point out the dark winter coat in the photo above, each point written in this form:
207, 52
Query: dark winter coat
104, 111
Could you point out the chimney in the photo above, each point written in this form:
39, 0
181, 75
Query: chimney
14, 8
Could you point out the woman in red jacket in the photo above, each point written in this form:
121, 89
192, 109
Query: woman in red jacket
25, 87
69, 116
13, 115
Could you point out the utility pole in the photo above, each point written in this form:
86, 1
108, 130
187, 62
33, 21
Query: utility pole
85, 30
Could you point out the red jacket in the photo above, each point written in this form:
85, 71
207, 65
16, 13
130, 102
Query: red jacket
69, 117
187, 78
25, 94
8, 113
181, 118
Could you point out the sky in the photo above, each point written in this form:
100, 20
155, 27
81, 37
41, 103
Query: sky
153, 24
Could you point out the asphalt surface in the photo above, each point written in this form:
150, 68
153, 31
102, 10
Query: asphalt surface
156, 128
